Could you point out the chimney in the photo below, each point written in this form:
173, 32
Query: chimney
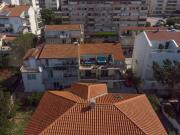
76, 43
92, 103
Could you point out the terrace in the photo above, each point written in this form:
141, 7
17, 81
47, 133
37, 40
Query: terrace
27, 69
163, 46
90, 60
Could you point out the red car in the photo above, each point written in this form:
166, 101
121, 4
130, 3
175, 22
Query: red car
128, 83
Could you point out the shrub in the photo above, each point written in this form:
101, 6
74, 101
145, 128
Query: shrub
154, 102
34, 99
170, 111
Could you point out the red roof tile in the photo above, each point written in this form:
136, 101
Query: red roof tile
59, 51
71, 51
63, 27
15, 10
50, 108
103, 48
69, 112
164, 36
135, 28
33, 52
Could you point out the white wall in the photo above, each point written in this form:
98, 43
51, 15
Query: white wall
33, 85
16, 23
140, 54
33, 20
144, 54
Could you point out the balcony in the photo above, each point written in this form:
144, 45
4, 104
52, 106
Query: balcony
27, 69
97, 60
163, 51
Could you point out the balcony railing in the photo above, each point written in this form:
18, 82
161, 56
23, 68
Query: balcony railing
163, 50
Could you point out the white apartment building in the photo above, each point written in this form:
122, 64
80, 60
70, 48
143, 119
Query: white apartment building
17, 2
164, 7
64, 34
107, 15
59, 66
148, 48
18, 18
49, 4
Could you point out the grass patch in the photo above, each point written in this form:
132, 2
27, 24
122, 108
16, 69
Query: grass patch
20, 121
105, 34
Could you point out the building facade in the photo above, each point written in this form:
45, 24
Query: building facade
64, 34
152, 47
15, 19
59, 66
164, 8
98, 16
48, 4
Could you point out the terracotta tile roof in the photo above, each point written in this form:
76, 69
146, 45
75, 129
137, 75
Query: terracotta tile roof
71, 51
59, 51
144, 118
164, 36
135, 28
64, 27
89, 90
33, 52
15, 10
103, 48
7, 37
2, 36
50, 108
69, 113
10, 38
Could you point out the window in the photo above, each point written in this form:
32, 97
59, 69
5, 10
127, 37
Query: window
56, 85
47, 62
31, 76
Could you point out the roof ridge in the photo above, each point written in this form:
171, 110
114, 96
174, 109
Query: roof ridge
41, 49
130, 99
130, 119
51, 92
56, 120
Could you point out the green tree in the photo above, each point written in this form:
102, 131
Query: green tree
7, 112
49, 17
154, 102
170, 21
34, 99
148, 24
171, 132
168, 74
136, 80
20, 46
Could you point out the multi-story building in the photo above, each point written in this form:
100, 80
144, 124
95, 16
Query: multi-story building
18, 18
58, 66
48, 4
64, 34
98, 16
127, 36
16, 2
152, 47
164, 7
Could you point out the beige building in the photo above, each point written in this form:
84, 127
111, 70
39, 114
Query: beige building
64, 34
164, 7
59, 66
99, 16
